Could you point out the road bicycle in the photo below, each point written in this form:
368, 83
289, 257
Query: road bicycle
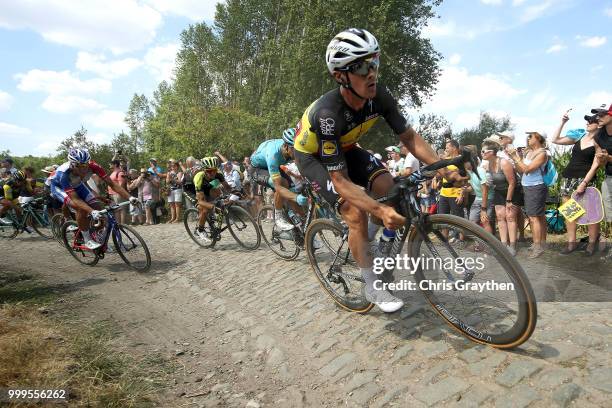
499, 318
237, 220
130, 246
33, 214
288, 244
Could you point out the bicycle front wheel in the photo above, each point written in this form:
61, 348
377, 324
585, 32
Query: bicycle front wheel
243, 227
73, 240
282, 243
132, 248
473, 282
56, 227
204, 238
333, 265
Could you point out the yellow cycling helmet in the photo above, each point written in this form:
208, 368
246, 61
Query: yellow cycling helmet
210, 162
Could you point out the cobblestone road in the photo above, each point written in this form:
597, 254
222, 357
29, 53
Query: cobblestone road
273, 319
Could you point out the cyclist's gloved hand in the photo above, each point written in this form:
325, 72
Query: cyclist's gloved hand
95, 215
301, 199
134, 200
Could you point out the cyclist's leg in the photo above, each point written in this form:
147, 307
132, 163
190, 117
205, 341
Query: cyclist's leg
203, 207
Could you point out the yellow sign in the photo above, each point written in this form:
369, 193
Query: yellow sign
329, 148
571, 210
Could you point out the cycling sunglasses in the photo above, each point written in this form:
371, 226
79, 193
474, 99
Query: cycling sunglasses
362, 67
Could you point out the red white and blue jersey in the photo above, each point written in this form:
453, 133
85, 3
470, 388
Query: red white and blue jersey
65, 179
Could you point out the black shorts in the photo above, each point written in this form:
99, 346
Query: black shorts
362, 168
448, 205
261, 177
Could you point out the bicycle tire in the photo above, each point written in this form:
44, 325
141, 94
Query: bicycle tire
359, 304
8, 231
188, 217
273, 241
526, 317
45, 231
124, 247
77, 253
56, 227
235, 212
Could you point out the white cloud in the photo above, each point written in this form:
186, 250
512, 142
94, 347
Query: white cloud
542, 101
60, 82
49, 146
454, 59
57, 103
536, 11
555, 48
458, 89
6, 100
192, 9
608, 12
591, 42
108, 69
100, 138
10, 130
439, 29
491, 2
160, 61
516, 3
596, 98
106, 119
116, 25
597, 68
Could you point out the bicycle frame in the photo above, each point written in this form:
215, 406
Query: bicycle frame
111, 227
27, 212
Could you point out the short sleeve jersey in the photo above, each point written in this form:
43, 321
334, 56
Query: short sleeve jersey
11, 192
329, 126
203, 184
67, 180
269, 156
604, 140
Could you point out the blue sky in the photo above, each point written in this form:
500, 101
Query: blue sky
67, 64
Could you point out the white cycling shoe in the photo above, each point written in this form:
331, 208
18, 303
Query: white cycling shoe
91, 244
384, 300
202, 236
72, 228
283, 224
6, 221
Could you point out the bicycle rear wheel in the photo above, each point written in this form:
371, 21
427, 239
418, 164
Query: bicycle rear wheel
56, 227
243, 227
132, 248
73, 241
205, 239
334, 267
281, 243
489, 300
39, 220
8, 231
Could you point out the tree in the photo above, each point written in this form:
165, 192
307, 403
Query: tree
77, 140
139, 112
434, 129
487, 125
262, 62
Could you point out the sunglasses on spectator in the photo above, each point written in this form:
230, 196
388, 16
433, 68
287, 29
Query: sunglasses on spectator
362, 67
486, 151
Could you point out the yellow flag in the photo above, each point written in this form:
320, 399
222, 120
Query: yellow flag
571, 210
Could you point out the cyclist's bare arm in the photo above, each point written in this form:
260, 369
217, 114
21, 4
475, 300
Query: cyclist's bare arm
358, 197
424, 152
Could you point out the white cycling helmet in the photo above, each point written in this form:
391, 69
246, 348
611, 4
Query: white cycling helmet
79, 156
348, 46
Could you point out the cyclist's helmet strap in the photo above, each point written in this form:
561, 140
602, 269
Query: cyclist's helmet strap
79, 156
289, 136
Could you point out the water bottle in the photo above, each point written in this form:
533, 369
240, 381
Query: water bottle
385, 243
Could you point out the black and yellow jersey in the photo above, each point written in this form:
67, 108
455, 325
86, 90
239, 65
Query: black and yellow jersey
203, 184
10, 191
329, 126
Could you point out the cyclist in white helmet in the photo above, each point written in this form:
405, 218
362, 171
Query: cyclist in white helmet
68, 185
266, 162
327, 153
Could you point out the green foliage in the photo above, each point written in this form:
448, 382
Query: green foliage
487, 125
434, 128
261, 63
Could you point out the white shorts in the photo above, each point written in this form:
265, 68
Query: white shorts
175, 196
